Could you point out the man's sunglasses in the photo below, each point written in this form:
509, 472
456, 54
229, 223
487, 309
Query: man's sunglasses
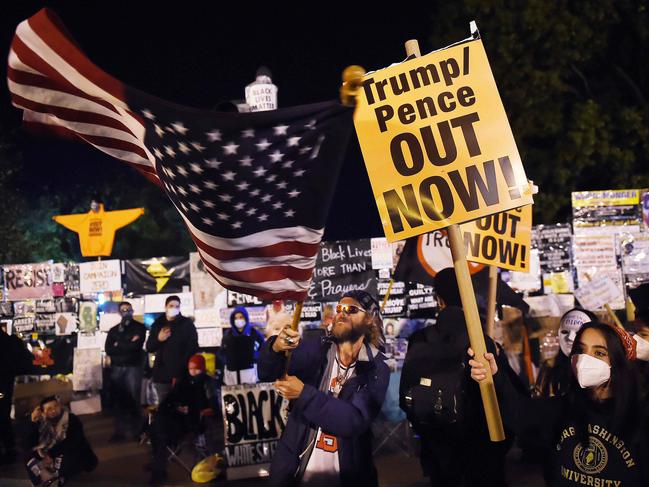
349, 309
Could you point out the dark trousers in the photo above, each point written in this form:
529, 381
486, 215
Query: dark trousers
7, 440
126, 384
449, 460
169, 428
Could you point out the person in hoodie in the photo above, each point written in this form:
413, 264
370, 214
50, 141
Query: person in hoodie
192, 399
337, 386
124, 346
173, 339
240, 349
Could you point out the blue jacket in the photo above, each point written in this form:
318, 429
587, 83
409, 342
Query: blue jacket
348, 417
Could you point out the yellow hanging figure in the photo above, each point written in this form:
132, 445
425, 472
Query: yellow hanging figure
97, 228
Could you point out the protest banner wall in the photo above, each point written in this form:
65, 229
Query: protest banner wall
100, 276
452, 157
254, 421
606, 212
157, 275
24, 281
340, 267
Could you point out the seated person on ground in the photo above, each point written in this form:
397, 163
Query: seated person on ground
58, 446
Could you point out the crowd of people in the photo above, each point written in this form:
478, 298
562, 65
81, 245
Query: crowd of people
584, 421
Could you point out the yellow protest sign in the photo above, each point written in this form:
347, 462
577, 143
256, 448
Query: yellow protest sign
437, 143
502, 239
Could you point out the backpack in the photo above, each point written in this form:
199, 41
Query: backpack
433, 387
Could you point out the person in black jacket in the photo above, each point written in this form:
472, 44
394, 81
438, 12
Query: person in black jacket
124, 346
15, 360
240, 347
183, 411
173, 339
58, 446
444, 405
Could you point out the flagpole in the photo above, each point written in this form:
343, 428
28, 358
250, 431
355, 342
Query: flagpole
470, 309
491, 300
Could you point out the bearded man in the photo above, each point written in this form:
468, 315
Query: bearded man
336, 387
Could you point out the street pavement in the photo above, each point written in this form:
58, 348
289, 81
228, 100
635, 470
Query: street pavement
122, 464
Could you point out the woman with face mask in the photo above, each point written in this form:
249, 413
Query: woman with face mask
597, 432
240, 349
555, 373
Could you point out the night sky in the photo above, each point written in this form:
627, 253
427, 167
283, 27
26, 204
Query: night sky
200, 53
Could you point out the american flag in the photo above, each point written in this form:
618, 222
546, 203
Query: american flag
253, 189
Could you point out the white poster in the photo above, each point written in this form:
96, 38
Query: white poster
593, 253
528, 281
137, 304
204, 286
155, 303
86, 369
100, 276
93, 340
381, 253
108, 320
210, 337
595, 294
207, 318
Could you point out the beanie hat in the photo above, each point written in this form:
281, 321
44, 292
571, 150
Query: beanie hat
198, 361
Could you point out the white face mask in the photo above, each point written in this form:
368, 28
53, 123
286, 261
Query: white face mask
590, 371
570, 325
172, 312
240, 323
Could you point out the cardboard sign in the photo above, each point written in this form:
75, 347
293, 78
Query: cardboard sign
254, 416
437, 143
598, 292
86, 372
502, 239
100, 276
24, 281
